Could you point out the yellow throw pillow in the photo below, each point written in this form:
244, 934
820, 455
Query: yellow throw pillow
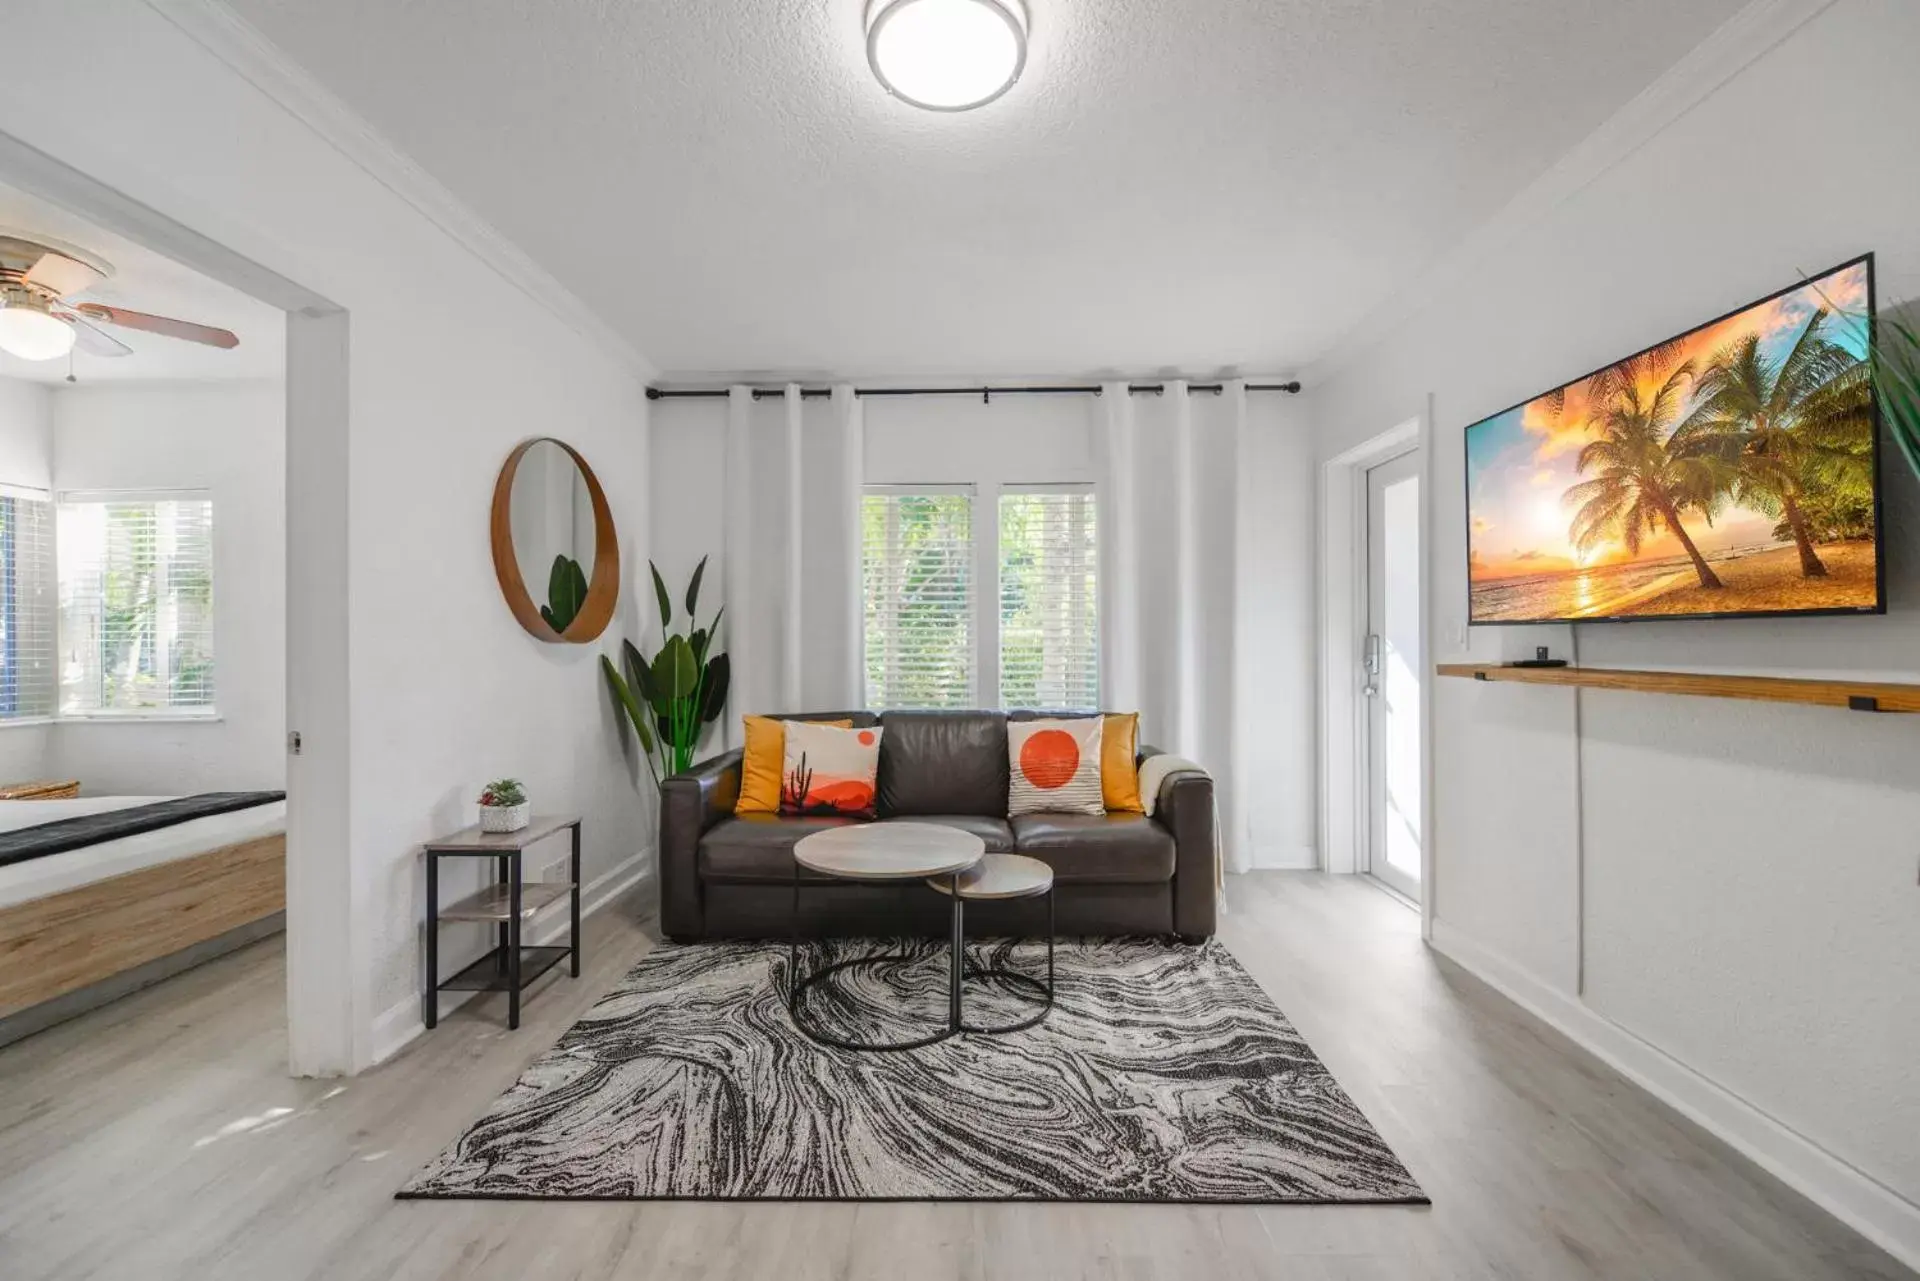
1119, 777
764, 762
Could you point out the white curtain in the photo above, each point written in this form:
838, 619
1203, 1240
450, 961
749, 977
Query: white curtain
792, 554
1174, 510
737, 633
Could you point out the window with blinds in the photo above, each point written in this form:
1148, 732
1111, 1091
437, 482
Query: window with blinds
917, 572
136, 604
27, 615
1049, 616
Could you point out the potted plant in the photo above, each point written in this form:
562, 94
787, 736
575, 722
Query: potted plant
504, 806
672, 698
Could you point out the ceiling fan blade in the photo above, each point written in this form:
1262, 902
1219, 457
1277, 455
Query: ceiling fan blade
63, 275
91, 339
163, 325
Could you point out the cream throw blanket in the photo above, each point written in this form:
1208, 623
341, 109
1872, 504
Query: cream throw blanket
1153, 772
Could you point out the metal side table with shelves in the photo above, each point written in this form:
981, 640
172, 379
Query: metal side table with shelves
510, 902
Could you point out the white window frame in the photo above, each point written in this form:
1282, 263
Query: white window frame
34, 494
1090, 490
154, 715
948, 489
985, 496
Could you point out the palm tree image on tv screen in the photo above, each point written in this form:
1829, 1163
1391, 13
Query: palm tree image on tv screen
1730, 470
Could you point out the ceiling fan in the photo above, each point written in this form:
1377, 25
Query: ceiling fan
41, 320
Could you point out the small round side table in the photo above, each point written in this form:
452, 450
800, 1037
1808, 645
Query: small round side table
1000, 876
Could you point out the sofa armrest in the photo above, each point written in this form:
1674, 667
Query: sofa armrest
690, 803
1185, 808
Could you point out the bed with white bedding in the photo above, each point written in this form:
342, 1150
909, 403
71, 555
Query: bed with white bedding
40, 877
111, 915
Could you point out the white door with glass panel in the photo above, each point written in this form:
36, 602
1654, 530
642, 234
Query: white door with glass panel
1394, 669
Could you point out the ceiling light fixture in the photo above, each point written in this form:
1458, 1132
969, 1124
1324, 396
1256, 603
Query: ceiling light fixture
947, 55
29, 331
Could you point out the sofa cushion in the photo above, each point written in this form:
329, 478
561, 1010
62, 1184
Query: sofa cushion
943, 763
994, 831
1110, 848
758, 848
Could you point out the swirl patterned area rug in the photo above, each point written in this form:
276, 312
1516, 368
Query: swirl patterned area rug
1164, 1073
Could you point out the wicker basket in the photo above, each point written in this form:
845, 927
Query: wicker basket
505, 818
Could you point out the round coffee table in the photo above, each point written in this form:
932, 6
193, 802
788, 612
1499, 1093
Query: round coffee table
881, 852
1002, 876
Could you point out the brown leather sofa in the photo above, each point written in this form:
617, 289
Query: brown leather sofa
726, 877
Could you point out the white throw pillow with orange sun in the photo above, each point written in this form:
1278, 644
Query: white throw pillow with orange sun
1055, 766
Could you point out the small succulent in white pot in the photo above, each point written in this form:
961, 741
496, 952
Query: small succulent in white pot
504, 806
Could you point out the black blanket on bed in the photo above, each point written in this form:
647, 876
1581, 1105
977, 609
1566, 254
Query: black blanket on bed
65, 834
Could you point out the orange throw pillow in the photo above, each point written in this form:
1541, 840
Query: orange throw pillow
764, 762
1119, 776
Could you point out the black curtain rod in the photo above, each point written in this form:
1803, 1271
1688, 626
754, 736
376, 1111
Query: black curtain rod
985, 393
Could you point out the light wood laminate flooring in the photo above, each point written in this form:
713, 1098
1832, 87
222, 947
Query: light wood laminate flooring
159, 1138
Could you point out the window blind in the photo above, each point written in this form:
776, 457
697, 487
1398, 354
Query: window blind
1049, 616
136, 605
27, 612
917, 548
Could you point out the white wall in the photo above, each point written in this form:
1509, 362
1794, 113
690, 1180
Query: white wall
228, 439
26, 459
450, 365
1050, 439
1750, 902
26, 434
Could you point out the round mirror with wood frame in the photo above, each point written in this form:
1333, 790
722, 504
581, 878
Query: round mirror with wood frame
526, 512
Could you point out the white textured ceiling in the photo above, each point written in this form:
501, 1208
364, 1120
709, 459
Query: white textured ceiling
144, 281
1175, 184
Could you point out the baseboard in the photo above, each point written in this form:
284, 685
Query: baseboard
401, 1022
1283, 858
1857, 1199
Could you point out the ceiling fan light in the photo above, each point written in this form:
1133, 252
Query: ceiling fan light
30, 333
947, 55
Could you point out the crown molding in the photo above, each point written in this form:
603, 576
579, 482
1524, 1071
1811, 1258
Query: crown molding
1741, 41
216, 28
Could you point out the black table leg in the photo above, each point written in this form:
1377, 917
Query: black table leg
1049, 945
1041, 992
573, 939
793, 938
955, 958
430, 1011
513, 948
502, 876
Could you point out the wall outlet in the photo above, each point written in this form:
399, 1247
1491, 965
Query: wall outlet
557, 870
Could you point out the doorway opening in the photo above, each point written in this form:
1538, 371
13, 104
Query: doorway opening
329, 1030
1395, 667
1354, 790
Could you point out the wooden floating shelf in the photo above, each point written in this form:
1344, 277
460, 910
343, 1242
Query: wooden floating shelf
1859, 696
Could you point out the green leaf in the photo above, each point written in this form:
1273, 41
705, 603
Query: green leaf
566, 593
640, 672
714, 697
631, 706
693, 588
713, 628
675, 674
699, 642
660, 594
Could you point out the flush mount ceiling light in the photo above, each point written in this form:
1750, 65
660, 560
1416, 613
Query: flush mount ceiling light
28, 330
947, 55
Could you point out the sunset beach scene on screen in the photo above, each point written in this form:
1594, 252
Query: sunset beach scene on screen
1730, 471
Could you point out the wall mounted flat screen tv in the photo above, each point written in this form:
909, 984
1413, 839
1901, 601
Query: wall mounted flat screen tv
1731, 472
